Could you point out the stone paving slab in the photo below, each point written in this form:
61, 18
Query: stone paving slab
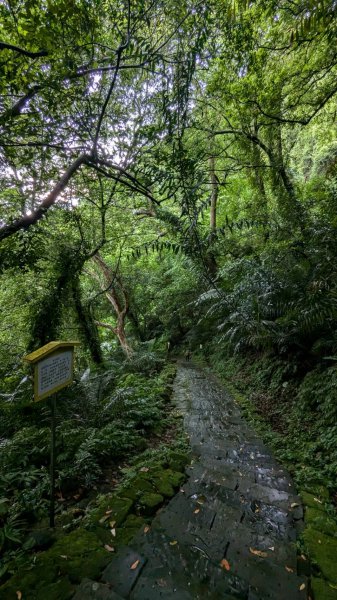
123, 571
93, 590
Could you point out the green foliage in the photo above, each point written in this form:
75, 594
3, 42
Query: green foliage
100, 421
193, 146
294, 411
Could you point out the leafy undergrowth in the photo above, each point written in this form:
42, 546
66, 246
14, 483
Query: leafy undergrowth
108, 523
296, 415
107, 428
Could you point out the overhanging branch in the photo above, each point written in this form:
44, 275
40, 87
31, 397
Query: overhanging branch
30, 54
28, 220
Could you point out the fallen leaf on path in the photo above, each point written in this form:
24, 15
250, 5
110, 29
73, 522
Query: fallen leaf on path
135, 565
109, 548
289, 569
258, 552
19, 595
173, 543
103, 519
225, 564
196, 511
146, 528
302, 587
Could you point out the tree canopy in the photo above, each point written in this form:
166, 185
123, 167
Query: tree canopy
168, 186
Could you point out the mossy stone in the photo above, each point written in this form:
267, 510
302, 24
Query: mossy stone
77, 554
103, 534
163, 486
321, 521
178, 460
60, 590
30, 582
150, 501
70, 558
124, 535
117, 508
311, 500
134, 521
175, 478
166, 480
323, 550
136, 487
322, 590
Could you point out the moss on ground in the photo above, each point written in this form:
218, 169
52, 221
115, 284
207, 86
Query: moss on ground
312, 501
59, 568
110, 522
110, 508
54, 573
322, 590
320, 521
322, 549
113, 521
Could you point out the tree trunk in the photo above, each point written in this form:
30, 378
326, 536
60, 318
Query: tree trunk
112, 285
215, 193
87, 324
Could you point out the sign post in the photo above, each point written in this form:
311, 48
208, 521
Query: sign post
53, 370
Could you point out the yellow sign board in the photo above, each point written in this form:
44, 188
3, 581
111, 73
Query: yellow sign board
53, 368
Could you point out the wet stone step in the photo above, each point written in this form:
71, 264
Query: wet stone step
191, 570
271, 582
254, 545
211, 479
267, 495
276, 522
123, 571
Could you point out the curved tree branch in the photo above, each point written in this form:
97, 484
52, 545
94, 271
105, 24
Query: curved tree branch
28, 220
29, 53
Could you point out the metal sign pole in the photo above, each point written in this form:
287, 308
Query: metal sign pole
52, 462
53, 370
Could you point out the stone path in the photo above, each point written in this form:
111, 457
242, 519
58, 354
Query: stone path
230, 532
